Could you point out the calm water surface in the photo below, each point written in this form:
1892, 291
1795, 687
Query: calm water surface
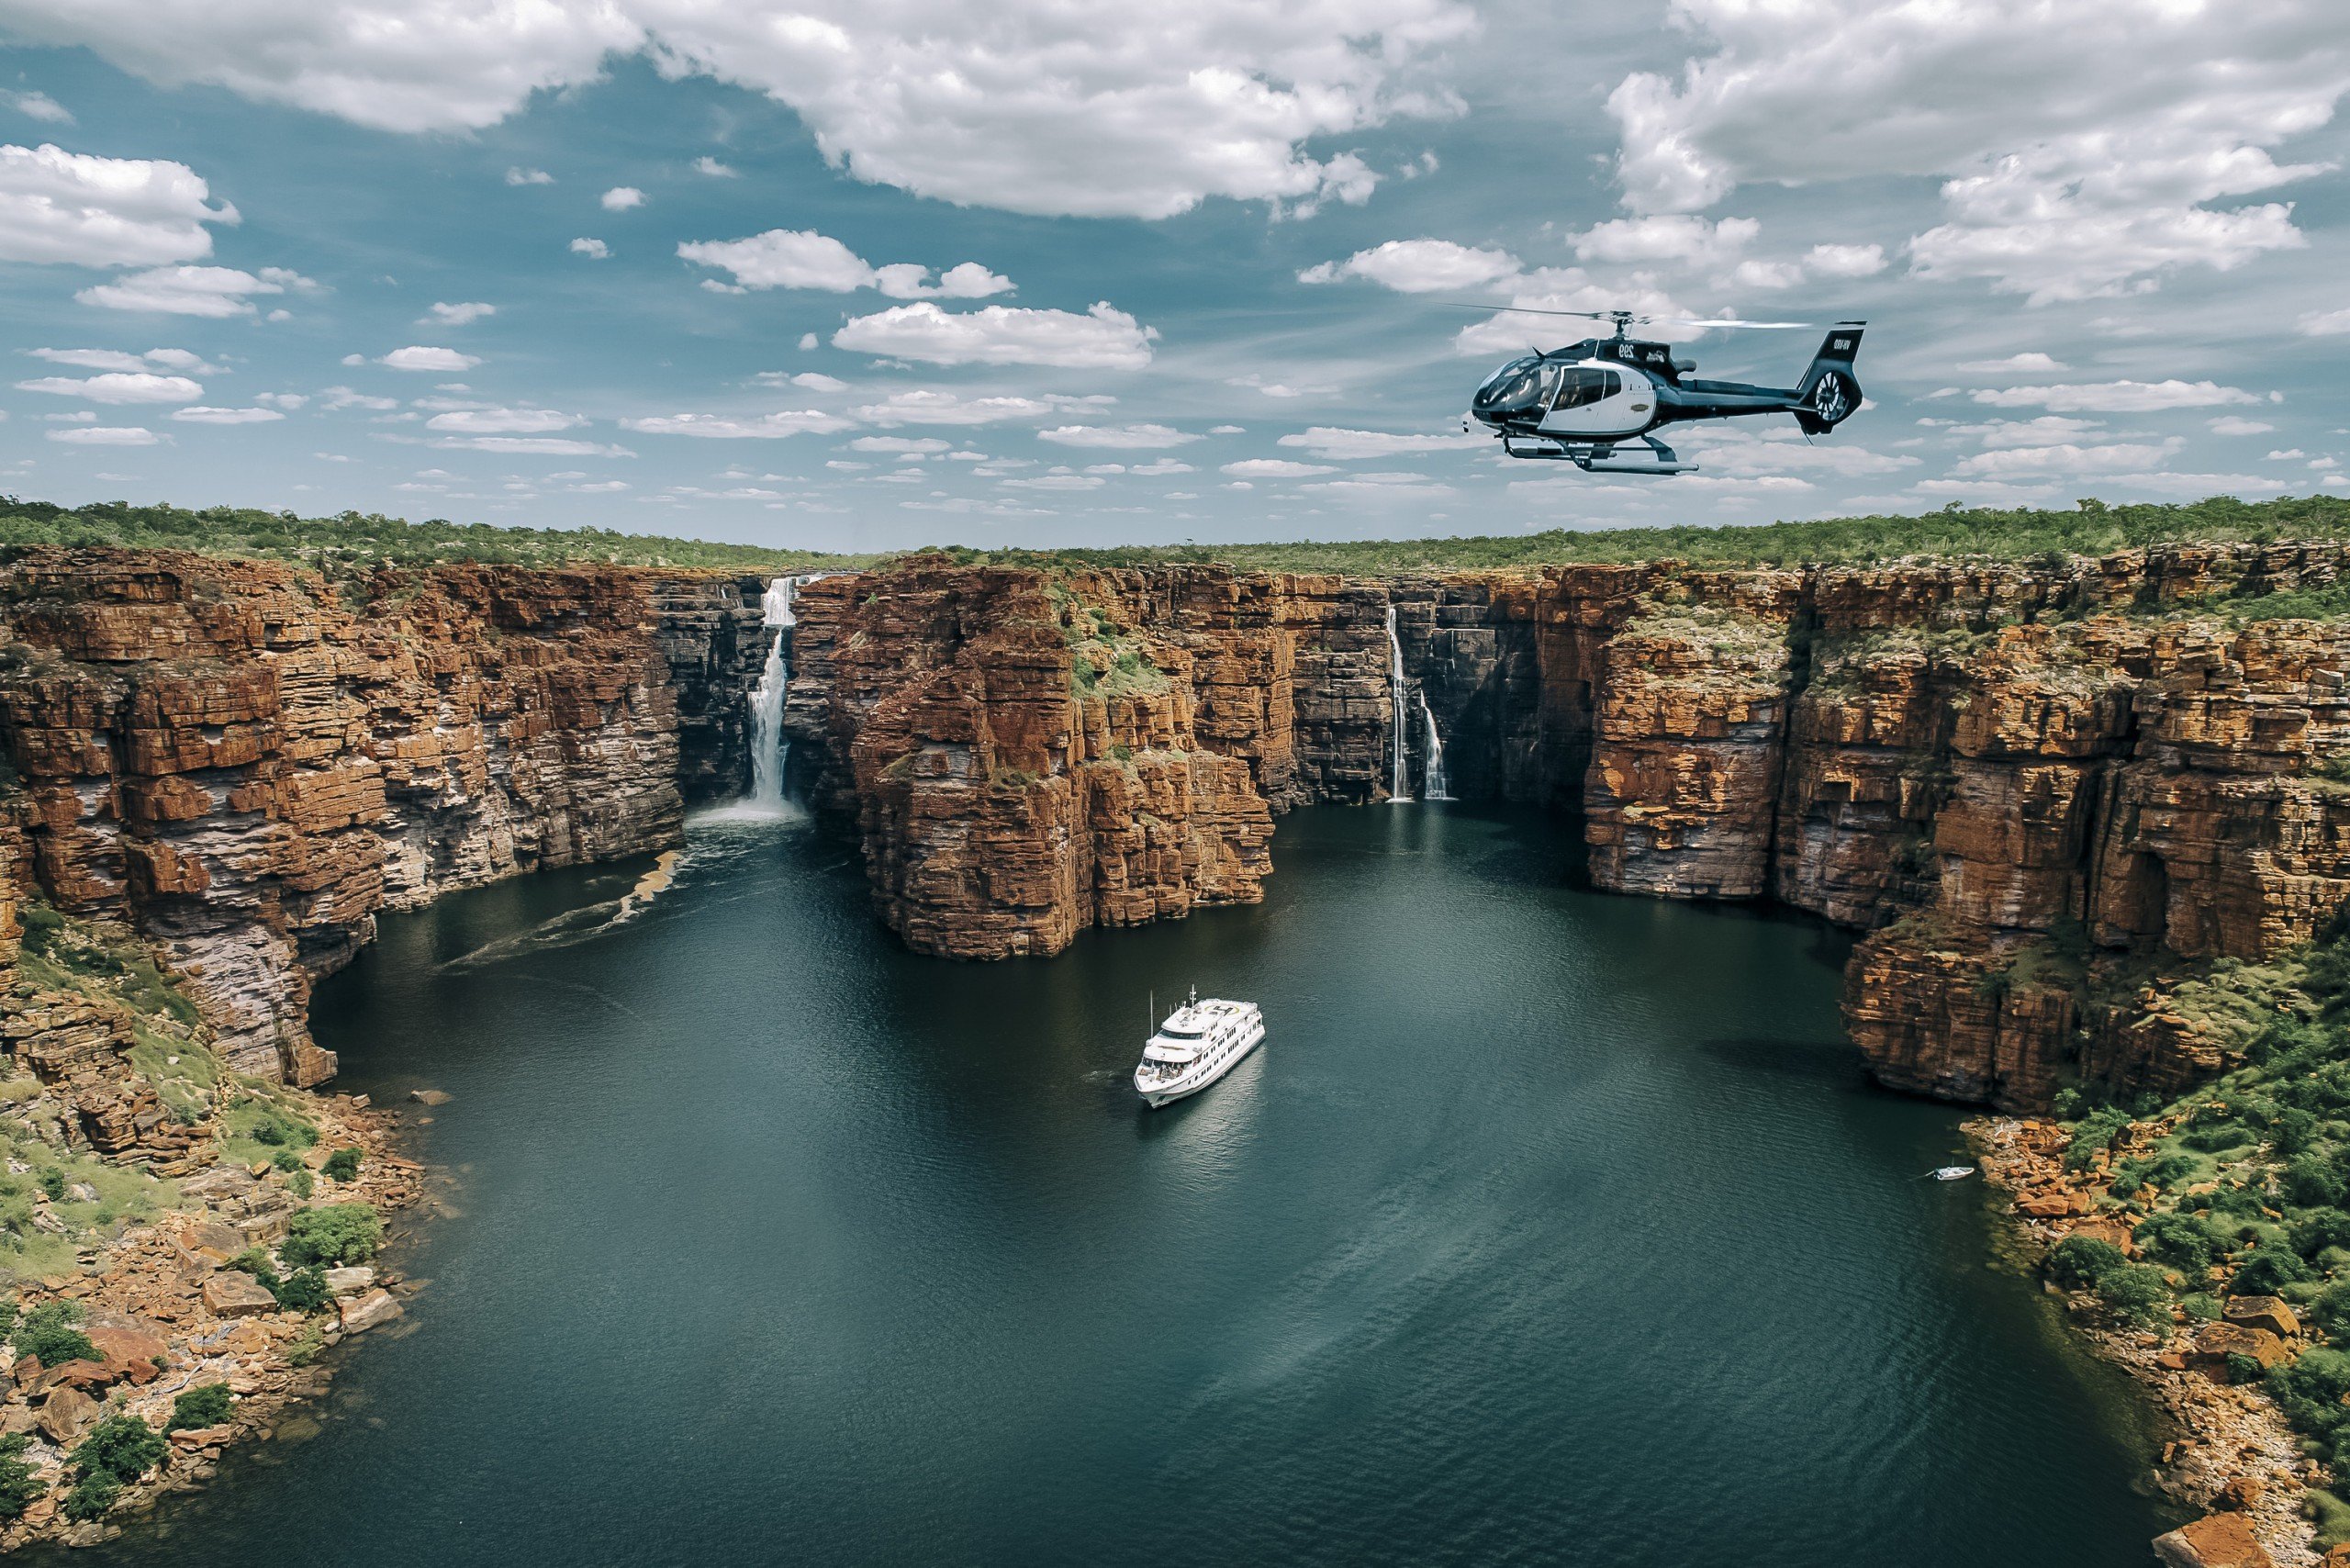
1546, 1227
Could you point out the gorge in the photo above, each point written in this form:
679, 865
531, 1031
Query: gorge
2047, 800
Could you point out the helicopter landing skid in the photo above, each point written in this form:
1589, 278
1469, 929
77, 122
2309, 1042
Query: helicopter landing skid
1598, 458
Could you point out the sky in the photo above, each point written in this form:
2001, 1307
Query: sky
875, 273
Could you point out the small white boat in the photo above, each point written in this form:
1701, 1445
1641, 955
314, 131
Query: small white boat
1200, 1042
1951, 1172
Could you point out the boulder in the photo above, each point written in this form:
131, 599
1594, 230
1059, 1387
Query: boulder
367, 1311
2217, 1540
204, 1437
2243, 1491
124, 1343
2220, 1341
232, 1293
430, 1096
213, 1242
351, 1279
67, 1414
85, 1376
2272, 1313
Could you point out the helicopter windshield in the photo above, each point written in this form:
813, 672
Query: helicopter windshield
1519, 385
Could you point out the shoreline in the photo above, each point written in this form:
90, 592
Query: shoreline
2229, 1450
157, 1280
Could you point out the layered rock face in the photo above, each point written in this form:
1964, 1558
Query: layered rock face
244, 765
2043, 791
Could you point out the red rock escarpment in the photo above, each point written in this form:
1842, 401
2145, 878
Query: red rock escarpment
244, 765
2019, 780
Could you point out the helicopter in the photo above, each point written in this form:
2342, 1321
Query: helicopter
1581, 402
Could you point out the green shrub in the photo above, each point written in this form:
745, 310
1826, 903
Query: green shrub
287, 1159
2201, 1306
2095, 1132
306, 1346
2267, 1272
2292, 1131
2218, 1138
2133, 1175
301, 1184
207, 1405
92, 1496
268, 1132
121, 1446
2242, 1367
2080, 1261
52, 1181
342, 1165
256, 1262
46, 1334
2310, 1181
2136, 1291
2313, 1232
339, 1233
18, 1484
2185, 1242
304, 1290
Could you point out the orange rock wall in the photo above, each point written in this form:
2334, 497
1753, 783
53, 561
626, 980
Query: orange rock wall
1980, 767
245, 765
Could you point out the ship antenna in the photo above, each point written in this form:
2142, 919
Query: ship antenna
1153, 1004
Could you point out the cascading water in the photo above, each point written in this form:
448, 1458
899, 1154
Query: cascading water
769, 748
1437, 787
1399, 790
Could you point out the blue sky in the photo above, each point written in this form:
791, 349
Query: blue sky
871, 276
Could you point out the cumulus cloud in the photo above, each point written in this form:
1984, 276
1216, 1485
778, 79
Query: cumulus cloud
37, 106
116, 359
532, 446
908, 444
2236, 424
2014, 364
809, 380
218, 292
792, 258
460, 315
1105, 338
518, 175
620, 198
706, 165
1329, 442
201, 415
594, 250
419, 357
1667, 237
502, 421
2066, 458
1275, 468
924, 406
2071, 169
2323, 323
105, 435
730, 427
1123, 436
119, 387
2115, 396
1419, 266
1057, 107
89, 211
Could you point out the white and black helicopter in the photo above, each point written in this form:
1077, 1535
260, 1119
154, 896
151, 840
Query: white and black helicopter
1583, 402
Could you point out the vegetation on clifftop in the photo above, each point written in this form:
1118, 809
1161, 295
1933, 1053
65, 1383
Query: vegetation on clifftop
356, 541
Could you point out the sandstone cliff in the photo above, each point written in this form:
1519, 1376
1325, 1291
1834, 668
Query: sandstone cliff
243, 764
2046, 793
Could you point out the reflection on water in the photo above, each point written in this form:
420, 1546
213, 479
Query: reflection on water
1544, 1227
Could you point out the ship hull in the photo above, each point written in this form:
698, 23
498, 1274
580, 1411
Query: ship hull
1183, 1089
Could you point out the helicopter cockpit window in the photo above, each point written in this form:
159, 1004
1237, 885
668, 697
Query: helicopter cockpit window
1516, 384
1577, 388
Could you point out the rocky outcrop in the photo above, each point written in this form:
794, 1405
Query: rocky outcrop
2030, 787
244, 764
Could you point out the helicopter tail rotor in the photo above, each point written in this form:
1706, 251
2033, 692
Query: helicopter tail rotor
1830, 393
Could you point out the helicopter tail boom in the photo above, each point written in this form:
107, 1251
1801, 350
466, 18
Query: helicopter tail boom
1828, 393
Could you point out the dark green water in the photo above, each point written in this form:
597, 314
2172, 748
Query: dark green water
1546, 1227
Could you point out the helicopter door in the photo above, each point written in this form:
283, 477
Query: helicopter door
1591, 400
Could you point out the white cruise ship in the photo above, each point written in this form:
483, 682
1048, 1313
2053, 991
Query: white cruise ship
1200, 1042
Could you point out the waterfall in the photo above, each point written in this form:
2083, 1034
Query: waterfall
769, 748
1399, 792
1438, 788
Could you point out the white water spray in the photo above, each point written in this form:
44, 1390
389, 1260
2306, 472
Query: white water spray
1399, 792
769, 747
1438, 788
